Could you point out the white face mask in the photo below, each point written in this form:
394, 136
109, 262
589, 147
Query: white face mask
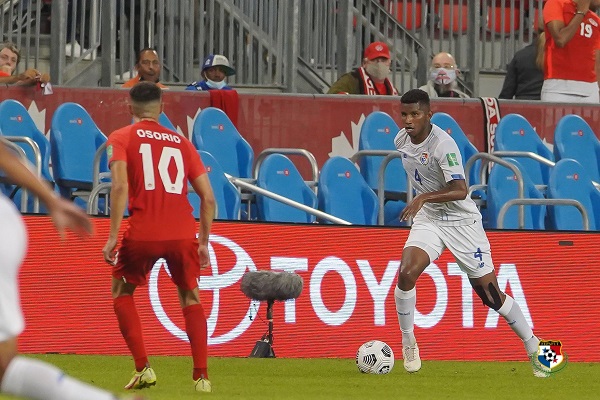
442, 76
377, 70
216, 85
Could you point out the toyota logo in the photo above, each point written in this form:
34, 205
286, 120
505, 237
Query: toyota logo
215, 283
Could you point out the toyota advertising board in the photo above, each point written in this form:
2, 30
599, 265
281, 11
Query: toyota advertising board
349, 275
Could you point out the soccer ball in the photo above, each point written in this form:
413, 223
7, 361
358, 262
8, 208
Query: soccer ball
375, 357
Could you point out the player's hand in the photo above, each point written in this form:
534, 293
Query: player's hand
66, 215
110, 251
204, 256
412, 209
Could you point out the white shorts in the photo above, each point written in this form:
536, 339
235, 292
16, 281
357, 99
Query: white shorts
468, 244
13, 243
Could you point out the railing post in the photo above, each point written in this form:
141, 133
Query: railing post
344, 38
292, 30
58, 40
474, 43
108, 41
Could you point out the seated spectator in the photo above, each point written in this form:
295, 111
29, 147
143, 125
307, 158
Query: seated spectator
214, 71
442, 77
148, 67
9, 59
371, 78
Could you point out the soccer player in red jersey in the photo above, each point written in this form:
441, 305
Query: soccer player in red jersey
150, 166
572, 52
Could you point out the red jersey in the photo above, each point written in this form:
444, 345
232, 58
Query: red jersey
576, 60
160, 163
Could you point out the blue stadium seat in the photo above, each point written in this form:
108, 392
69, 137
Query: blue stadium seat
502, 186
214, 132
570, 180
466, 148
279, 175
166, 122
227, 196
574, 138
74, 140
344, 193
515, 133
377, 133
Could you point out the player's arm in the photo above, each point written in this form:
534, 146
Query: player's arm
597, 66
560, 32
454, 190
118, 201
201, 185
64, 213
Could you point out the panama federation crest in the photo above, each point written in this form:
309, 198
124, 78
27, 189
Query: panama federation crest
424, 159
550, 355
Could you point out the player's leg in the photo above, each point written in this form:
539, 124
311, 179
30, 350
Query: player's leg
134, 261
422, 246
184, 264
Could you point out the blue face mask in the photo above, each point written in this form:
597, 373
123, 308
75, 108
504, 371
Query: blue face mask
216, 85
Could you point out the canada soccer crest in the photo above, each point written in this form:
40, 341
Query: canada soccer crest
424, 159
550, 355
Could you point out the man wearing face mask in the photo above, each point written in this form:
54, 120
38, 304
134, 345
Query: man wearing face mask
214, 71
442, 77
371, 78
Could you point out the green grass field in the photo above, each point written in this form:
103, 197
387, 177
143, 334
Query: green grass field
244, 378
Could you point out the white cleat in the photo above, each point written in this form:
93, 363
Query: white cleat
412, 360
538, 369
203, 385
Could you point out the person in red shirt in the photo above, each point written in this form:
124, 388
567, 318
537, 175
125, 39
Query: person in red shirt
572, 51
148, 67
150, 166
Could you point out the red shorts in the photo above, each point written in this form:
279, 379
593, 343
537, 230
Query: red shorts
136, 259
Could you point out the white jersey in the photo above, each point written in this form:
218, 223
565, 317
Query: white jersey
429, 166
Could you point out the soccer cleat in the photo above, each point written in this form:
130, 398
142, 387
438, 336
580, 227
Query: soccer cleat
538, 369
202, 385
143, 379
412, 361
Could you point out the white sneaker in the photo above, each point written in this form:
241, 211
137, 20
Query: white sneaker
75, 50
538, 369
203, 385
412, 360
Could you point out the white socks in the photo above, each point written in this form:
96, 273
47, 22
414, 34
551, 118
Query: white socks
405, 307
513, 315
38, 380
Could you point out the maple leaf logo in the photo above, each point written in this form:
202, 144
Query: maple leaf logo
340, 146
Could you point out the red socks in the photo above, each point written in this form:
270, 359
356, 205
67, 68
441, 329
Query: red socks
131, 329
195, 326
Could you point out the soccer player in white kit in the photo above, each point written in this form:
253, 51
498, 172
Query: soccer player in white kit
21, 376
444, 216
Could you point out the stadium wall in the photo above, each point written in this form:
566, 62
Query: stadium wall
322, 124
349, 275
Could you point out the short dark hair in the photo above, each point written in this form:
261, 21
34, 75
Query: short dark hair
415, 96
12, 47
142, 51
145, 92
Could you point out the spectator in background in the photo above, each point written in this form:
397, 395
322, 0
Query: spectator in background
442, 77
572, 51
148, 67
9, 59
524, 74
371, 78
214, 71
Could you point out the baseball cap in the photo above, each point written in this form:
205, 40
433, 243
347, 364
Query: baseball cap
214, 60
376, 50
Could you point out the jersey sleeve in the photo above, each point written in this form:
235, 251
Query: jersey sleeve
450, 161
553, 11
116, 146
196, 167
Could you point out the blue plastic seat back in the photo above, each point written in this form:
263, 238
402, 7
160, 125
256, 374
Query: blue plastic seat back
574, 138
344, 193
570, 180
214, 132
503, 186
515, 133
16, 121
74, 140
466, 148
166, 122
279, 175
377, 133
227, 196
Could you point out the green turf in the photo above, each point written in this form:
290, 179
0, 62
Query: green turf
243, 378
